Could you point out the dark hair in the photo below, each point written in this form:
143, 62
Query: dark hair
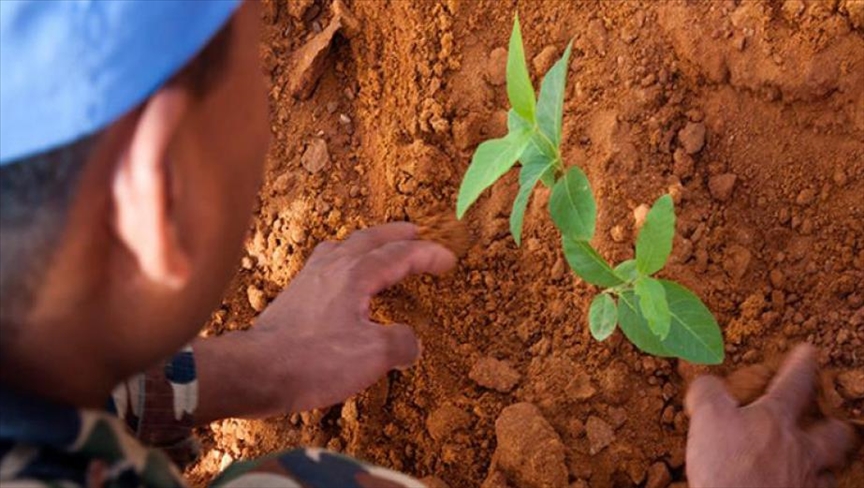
36, 193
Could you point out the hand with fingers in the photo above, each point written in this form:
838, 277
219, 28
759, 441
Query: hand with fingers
762, 444
318, 333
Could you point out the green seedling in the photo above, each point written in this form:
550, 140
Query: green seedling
659, 316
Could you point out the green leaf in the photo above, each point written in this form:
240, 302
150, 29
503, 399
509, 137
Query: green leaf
652, 304
589, 265
627, 270
534, 156
550, 103
694, 334
635, 327
515, 122
528, 178
602, 316
491, 160
654, 243
572, 205
519, 88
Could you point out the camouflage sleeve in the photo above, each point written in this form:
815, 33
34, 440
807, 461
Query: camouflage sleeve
311, 468
159, 405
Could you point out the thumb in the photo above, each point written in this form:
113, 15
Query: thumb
831, 439
401, 347
708, 393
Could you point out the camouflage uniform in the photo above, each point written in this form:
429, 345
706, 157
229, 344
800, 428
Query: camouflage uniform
46, 444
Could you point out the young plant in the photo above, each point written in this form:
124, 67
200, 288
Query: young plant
659, 316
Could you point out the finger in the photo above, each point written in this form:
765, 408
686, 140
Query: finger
366, 240
826, 480
402, 349
831, 440
323, 248
792, 388
709, 394
393, 262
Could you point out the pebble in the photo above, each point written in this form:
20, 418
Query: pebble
851, 384
496, 67
805, 197
639, 214
840, 178
446, 420
598, 36
692, 137
722, 186
618, 233
599, 433
256, 297
682, 163
529, 448
669, 415
658, 476
316, 156
494, 374
543, 61
778, 279
737, 261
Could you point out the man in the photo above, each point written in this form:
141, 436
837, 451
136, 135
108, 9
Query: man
132, 136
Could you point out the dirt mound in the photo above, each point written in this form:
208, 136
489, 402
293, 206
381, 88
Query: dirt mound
750, 113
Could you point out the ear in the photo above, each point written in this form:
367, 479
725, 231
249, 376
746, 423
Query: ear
142, 194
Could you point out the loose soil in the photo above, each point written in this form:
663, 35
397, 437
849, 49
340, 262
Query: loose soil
750, 113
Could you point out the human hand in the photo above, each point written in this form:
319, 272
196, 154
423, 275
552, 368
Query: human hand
762, 444
316, 343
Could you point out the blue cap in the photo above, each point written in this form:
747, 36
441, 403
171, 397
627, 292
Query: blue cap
70, 68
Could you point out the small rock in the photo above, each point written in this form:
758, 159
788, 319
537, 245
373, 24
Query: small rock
344, 119
648, 80
692, 137
658, 476
839, 176
529, 450
722, 186
778, 279
737, 261
467, 131
639, 215
446, 420
225, 461
331, 107
308, 62
494, 374
297, 234
805, 197
543, 61
600, 434
682, 164
315, 157
851, 384
618, 233
668, 415
496, 67
598, 36
257, 299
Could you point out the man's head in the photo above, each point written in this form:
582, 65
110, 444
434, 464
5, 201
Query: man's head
117, 245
